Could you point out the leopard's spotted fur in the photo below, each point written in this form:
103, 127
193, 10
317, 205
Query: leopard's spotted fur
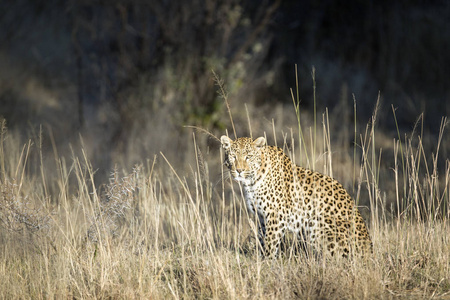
286, 196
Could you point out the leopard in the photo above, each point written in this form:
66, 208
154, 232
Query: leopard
282, 196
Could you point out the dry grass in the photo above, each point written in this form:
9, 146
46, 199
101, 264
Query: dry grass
160, 232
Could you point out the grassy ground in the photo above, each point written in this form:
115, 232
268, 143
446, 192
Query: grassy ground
163, 231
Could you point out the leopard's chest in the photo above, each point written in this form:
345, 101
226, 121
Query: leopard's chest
264, 195
253, 199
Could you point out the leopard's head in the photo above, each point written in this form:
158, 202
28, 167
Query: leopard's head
243, 157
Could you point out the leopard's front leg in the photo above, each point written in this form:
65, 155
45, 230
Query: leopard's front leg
275, 232
260, 228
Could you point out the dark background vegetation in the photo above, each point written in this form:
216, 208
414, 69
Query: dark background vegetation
128, 75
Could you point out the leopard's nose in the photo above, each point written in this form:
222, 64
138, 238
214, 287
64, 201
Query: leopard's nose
239, 170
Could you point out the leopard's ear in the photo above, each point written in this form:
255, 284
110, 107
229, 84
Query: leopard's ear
260, 142
226, 142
